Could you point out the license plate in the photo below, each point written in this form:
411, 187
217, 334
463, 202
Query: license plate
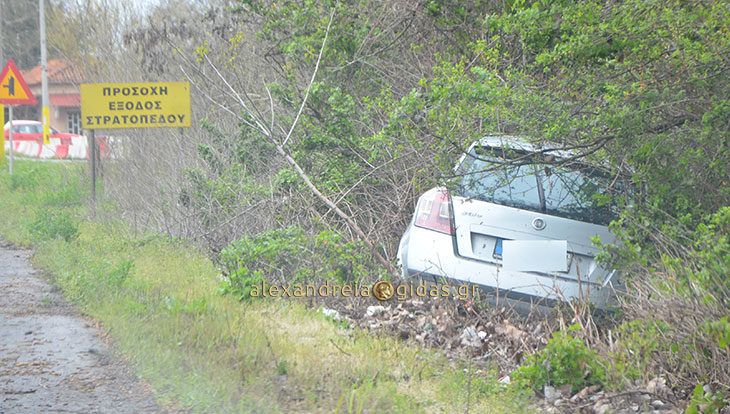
535, 255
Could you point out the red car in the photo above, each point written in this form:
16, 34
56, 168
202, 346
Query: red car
33, 131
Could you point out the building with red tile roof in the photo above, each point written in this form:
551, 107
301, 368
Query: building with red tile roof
64, 80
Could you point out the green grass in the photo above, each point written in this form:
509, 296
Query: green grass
157, 299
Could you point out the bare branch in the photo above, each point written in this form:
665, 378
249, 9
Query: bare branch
269, 133
261, 128
311, 81
271, 106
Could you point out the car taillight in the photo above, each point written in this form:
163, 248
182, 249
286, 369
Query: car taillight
434, 211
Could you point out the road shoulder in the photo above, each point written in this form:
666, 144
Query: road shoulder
51, 359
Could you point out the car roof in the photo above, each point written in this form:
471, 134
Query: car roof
22, 122
519, 143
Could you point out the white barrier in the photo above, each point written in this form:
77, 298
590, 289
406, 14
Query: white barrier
78, 149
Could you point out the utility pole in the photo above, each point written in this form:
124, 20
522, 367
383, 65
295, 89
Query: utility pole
2, 107
44, 71
2, 50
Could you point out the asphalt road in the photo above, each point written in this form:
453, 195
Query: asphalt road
51, 359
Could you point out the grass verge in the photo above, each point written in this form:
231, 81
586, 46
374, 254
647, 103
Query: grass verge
157, 298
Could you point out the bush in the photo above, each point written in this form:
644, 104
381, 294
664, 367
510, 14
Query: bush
247, 260
639, 343
565, 360
24, 178
50, 224
720, 332
706, 402
117, 275
676, 301
290, 255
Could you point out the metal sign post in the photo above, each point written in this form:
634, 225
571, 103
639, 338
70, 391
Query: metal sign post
11, 139
2, 137
92, 161
44, 73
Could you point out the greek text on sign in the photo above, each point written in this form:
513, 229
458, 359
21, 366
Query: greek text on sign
135, 105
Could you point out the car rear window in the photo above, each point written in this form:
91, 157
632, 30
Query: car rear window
525, 180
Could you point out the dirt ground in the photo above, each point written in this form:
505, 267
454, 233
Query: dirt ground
51, 359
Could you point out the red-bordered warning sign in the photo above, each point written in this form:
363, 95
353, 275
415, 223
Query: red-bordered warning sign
13, 89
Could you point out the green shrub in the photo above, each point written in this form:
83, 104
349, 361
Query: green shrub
282, 368
720, 332
565, 360
289, 255
247, 260
119, 273
709, 261
706, 402
50, 224
635, 354
68, 196
24, 178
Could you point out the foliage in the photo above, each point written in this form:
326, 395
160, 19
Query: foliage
21, 40
23, 179
638, 87
565, 360
635, 357
404, 87
694, 261
720, 331
247, 260
708, 263
51, 224
201, 352
706, 402
288, 256
119, 273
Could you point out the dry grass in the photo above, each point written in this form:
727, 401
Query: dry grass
157, 299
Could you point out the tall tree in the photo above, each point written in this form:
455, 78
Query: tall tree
21, 32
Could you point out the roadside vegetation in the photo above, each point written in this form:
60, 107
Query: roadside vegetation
318, 125
158, 300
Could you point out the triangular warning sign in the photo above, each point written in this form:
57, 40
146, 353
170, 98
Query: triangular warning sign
13, 89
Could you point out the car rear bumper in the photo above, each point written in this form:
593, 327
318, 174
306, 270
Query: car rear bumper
429, 254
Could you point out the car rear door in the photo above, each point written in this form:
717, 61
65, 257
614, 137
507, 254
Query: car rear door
506, 212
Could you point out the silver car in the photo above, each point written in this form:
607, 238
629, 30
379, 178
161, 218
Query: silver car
518, 222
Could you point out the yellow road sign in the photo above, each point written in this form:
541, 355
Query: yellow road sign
135, 105
13, 89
